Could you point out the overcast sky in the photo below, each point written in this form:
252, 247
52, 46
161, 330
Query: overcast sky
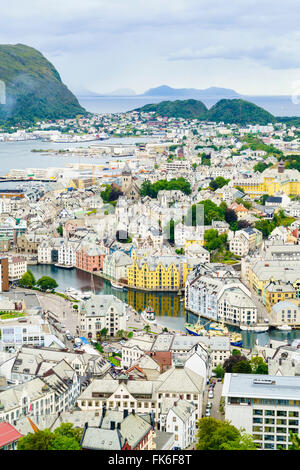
252, 46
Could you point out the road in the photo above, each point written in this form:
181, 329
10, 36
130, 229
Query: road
215, 412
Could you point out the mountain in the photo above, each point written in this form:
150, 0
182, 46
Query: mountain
212, 92
229, 111
239, 112
187, 109
33, 87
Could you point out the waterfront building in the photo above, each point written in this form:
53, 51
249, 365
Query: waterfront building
99, 312
164, 273
89, 257
261, 273
265, 406
219, 295
115, 266
17, 267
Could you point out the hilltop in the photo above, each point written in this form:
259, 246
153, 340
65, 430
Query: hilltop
187, 109
229, 111
34, 89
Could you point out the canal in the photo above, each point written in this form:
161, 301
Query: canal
168, 307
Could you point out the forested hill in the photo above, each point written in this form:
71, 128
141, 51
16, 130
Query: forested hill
33, 87
229, 111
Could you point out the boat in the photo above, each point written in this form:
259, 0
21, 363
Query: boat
148, 315
220, 327
236, 339
260, 329
116, 286
255, 329
284, 328
195, 329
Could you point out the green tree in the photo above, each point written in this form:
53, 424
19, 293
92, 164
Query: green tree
219, 371
147, 328
60, 439
47, 283
27, 280
60, 230
214, 434
242, 367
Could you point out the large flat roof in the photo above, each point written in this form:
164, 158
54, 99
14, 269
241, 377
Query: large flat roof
261, 386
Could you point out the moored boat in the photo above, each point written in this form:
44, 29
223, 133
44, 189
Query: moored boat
284, 328
236, 339
148, 315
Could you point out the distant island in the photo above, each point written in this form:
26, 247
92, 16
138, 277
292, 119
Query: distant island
167, 91
194, 93
229, 111
33, 87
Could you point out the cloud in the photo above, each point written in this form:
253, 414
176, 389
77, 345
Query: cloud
139, 43
283, 53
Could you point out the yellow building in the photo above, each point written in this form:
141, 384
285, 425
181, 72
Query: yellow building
275, 292
164, 273
263, 272
271, 181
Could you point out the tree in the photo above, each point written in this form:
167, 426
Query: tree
60, 230
258, 365
104, 332
63, 438
147, 328
219, 371
47, 283
231, 361
214, 434
242, 367
27, 280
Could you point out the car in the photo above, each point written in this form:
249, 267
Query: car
209, 405
210, 394
207, 413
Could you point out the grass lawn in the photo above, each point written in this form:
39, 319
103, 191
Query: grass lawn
9, 315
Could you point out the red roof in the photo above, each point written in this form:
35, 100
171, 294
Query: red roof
8, 434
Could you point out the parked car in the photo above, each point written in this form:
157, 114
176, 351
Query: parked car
209, 405
211, 394
207, 413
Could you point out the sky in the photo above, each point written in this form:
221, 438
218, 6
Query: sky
251, 46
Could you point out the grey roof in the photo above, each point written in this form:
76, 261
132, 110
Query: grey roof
276, 387
102, 439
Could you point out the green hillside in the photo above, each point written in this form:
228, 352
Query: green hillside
229, 111
187, 109
238, 111
34, 89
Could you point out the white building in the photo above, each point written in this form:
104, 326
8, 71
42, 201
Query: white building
181, 421
17, 267
267, 407
99, 312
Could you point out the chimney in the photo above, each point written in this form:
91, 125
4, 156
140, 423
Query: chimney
112, 425
125, 414
133, 411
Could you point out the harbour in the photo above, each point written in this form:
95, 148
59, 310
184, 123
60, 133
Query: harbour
169, 310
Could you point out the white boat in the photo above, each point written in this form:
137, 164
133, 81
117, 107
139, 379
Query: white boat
255, 329
116, 286
148, 316
284, 328
260, 329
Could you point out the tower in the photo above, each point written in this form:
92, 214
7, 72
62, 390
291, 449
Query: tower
126, 178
